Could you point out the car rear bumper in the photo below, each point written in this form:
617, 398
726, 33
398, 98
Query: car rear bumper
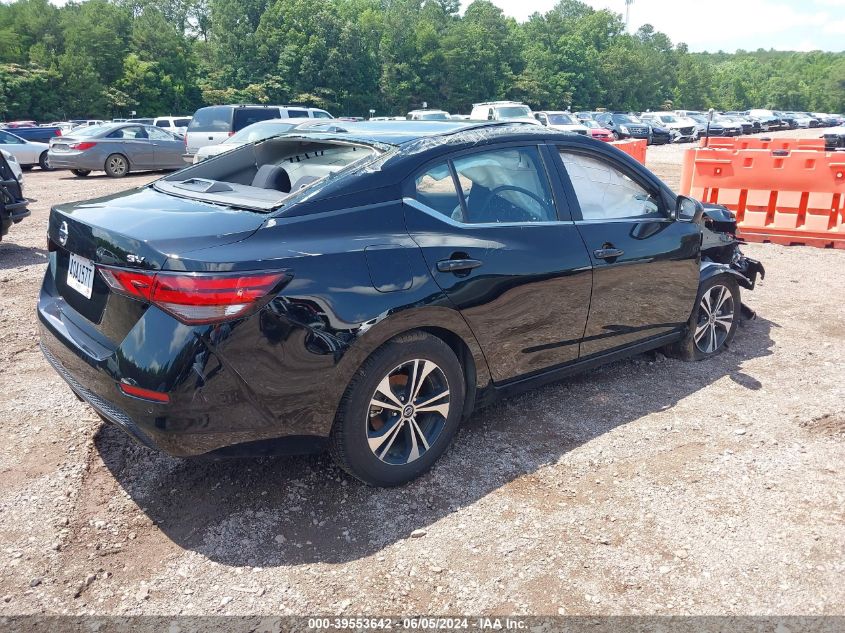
210, 411
78, 160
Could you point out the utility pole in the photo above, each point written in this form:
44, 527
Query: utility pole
628, 4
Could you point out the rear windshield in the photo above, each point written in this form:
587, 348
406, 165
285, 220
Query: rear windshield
213, 119
248, 116
561, 119
259, 131
260, 176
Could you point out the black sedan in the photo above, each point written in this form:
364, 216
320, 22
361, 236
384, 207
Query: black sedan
365, 289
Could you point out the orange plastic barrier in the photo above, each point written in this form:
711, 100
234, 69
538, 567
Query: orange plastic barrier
634, 147
792, 198
763, 142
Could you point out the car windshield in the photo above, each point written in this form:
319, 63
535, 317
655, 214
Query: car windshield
258, 132
590, 124
669, 118
513, 112
625, 118
561, 119
433, 116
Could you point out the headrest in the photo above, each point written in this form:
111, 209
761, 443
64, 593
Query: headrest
272, 177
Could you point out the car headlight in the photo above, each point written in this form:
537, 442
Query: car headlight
623, 129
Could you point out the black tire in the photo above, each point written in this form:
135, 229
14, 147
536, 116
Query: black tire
616, 136
44, 161
362, 429
27, 167
117, 165
81, 173
715, 337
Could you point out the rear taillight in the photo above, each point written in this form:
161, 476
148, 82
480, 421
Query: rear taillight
231, 133
146, 394
58, 132
82, 146
198, 298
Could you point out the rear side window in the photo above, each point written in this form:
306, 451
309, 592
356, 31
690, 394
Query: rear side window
214, 119
131, 132
435, 188
181, 122
297, 114
162, 123
248, 116
320, 114
606, 193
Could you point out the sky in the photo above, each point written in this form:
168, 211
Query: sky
799, 25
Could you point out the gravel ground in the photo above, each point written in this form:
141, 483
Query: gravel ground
649, 486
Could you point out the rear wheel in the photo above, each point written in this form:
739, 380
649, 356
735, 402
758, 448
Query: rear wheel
80, 172
400, 411
117, 166
713, 323
44, 161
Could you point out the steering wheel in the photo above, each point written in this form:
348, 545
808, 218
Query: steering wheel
528, 193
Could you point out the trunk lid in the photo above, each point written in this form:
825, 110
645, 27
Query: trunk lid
142, 229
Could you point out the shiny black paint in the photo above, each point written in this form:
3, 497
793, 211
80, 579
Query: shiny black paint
363, 266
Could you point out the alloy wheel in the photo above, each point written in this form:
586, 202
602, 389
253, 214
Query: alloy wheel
715, 319
117, 165
407, 412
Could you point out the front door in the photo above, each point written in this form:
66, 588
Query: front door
645, 277
506, 253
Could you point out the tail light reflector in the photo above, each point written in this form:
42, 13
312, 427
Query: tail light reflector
146, 394
82, 146
198, 298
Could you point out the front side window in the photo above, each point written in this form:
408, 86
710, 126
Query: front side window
505, 185
604, 192
131, 132
9, 139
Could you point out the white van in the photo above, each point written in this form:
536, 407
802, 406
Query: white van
215, 124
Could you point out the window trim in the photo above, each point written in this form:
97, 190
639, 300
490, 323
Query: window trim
575, 205
560, 200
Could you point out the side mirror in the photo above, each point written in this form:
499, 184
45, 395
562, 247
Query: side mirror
688, 209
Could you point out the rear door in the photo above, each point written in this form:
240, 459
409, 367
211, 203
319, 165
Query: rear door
168, 149
496, 234
645, 265
133, 142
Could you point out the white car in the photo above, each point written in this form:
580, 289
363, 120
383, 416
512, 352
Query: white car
502, 111
27, 153
558, 120
17, 172
258, 132
428, 115
177, 125
682, 129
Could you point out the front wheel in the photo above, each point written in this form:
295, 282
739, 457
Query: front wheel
117, 166
400, 411
714, 320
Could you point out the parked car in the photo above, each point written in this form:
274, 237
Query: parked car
729, 126
563, 121
804, 119
224, 310
715, 128
13, 205
35, 133
215, 124
745, 125
263, 130
658, 135
624, 125
86, 122
176, 125
117, 149
501, 111
143, 121
826, 120
27, 153
428, 115
787, 119
682, 131
768, 121
597, 131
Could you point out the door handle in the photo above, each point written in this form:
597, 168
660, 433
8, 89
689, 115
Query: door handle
457, 265
608, 253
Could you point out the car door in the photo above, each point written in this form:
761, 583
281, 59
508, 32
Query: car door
645, 264
497, 236
133, 142
25, 153
167, 148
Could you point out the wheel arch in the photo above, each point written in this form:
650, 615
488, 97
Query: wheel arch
446, 324
709, 270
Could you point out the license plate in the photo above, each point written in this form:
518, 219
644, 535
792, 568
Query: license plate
80, 275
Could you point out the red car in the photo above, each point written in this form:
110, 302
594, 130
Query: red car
598, 132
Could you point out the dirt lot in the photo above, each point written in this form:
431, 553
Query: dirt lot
650, 486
